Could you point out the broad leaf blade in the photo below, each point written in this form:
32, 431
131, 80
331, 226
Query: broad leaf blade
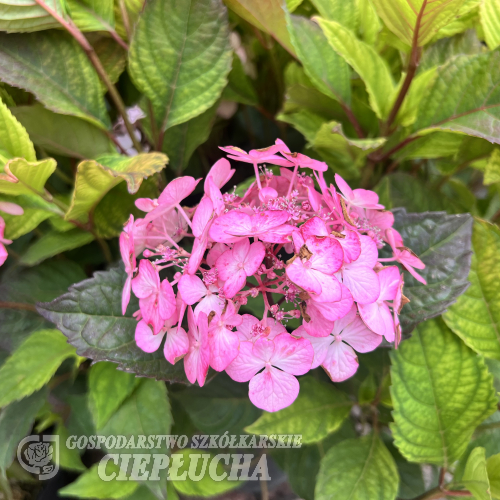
441, 391
490, 21
475, 477
22, 16
92, 15
31, 176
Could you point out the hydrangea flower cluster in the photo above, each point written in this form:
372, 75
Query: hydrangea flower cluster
290, 235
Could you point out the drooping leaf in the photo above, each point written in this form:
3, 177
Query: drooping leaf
19, 15
54, 67
31, 176
104, 380
493, 469
62, 134
15, 423
475, 317
326, 69
32, 364
441, 391
90, 316
356, 469
318, 411
372, 69
475, 477
490, 21
185, 72
53, 243
94, 178
450, 106
418, 20
221, 406
344, 12
14, 140
92, 15
443, 243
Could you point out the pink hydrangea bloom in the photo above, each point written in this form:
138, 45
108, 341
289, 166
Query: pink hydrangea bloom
197, 359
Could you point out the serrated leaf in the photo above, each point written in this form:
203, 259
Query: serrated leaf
105, 379
357, 469
31, 176
344, 12
14, 140
443, 242
493, 469
71, 87
326, 69
23, 16
490, 21
475, 317
449, 105
372, 69
54, 243
418, 20
221, 406
475, 477
186, 71
90, 316
318, 411
92, 15
32, 364
440, 391
15, 422
62, 134
94, 178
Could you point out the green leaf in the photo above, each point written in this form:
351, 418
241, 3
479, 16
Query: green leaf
221, 406
14, 140
112, 56
105, 379
344, 12
440, 391
92, 15
369, 22
358, 469
490, 21
443, 242
206, 486
90, 485
318, 411
449, 105
19, 15
62, 134
181, 141
94, 178
326, 69
90, 316
493, 468
475, 477
32, 365
239, 87
186, 70
54, 243
492, 173
31, 176
307, 123
418, 20
15, 422
69, 458
71, 87
372, 69
475, 317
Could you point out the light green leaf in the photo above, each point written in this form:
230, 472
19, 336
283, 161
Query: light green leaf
206, 486
326, 69
492, 172
358, 469
318, 411
464, 97
20, 15
306, 122
53, 66
493, 469
475, 477
239, 87
92, 15
105, 379
490, 21
436, 145
344, 12
475, 317
465, 20
372, 69
441, 390
31, 176
53, 243
62, 134
291, 5
69, 458
32, 364
420, 18
94, 178
14, 140
186, 70
90, 485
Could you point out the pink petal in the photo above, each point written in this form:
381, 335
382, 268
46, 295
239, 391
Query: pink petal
318, 326
147, 281
280, 234
166, 300
369, 253
359, 337
314, 198
211, 302
254, 258
334, 310
220, 172
267, 220
216, 197
202, 216
366, 199
240, 251
215, 252
224, 226
196, 361
314, 227
351, 245
327, 254
145, 339
383, 219
191, 288
199, 247
305, 278
263, 349
177, 190
234, 283
267, 193
3, 254
176, 345
363, 284
344, 187
320, 345
11, 208
273, 390
244, 330
146, 204
292, 355
341, 362
345, 321
223, 347
389, 278
227, 265
331, 290
126, 294
245, 365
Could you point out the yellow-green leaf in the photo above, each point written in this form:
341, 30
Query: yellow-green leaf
493, 468
492, 172
490, 21
475, 477
20, 15
31, 176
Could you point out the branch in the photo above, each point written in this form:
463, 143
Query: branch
18, 305
437, 492
377, 157
354, 121
94, 59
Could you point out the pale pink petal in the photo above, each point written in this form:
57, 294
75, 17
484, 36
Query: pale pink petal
221, 172
227, 265
318, 326
267, 220
268, 193
211, 302
363, 284
177, 190
389, 282
176, 345
383, 219
126, 294
335, 310
303, 277
263, 349
292, 355
327, 254
331, 290
281, 234
245, 365
373, 316
344, 187
273, 390
298, 241
234, 283
320, 345
215, 252
341, 361
166, 300
369, 253
147, 281
223, 347
351, 245
203, 214
191, 288
199, 247
254, 258
345, 321
146, 204
314, 227
145, 339
314, 198
244, 330
11, 208
216, 197
360, 337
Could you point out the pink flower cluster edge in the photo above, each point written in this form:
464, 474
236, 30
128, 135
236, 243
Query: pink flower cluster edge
290, 235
